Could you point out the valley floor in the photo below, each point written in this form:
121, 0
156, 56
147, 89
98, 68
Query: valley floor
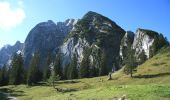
91, 89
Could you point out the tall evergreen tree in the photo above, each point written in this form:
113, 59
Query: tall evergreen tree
97, 61
17, 70
53, 76
131, 62
85, 66
93, 71
66, 71
162, 41
103, 65
142, 57
34, 73
72, 72
58, 66
159, 42
46, 73
4, 78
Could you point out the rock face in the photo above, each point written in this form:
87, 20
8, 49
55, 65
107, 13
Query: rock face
126, 42
95, 32
143, 41
7, 51
46, 37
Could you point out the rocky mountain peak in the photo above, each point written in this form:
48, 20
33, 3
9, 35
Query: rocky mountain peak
45, 37
70, 22
144, 39
148, 32
47, 24
93, 31
7, 51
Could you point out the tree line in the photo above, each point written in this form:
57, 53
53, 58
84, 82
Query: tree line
52, 70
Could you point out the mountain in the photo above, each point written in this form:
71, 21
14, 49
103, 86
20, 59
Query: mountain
7, 51
94, 35
148, 41
97, 33
144, 41
44, 38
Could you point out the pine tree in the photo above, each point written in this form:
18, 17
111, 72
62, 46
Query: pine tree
4, 78
53, 77
142, 57
72, 72
65, 72
97, 62
159, 42
17, 70
85, 64
46, 73
131, 62
58, 66
93, 71
34, 74
162, 41
103, 65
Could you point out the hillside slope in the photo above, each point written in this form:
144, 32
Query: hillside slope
154, 71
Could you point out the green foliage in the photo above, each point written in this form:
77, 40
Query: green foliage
131, 63
103, 65
53, 77
46, 73
164, 50
72, 72
159, 42
93, 71
34, 73
85, 64
4, 75
17, 70
58, 66
150, 82
65, 72
142, 57
101, 39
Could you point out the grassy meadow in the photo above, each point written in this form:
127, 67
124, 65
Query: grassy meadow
151, 82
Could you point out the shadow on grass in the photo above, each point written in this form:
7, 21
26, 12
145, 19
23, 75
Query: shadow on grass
57, 83
65, 90
152, 76
11, 92
67, 82
41, 84
166, 96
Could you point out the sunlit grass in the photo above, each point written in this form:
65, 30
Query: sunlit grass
151, 82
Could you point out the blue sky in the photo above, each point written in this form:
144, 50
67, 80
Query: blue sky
18, 17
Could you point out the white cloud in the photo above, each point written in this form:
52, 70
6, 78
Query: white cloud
9, 17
